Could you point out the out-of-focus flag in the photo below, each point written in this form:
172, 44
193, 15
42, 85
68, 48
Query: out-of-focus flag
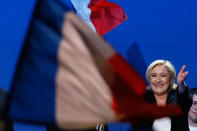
100, 15
69, 76
135, 58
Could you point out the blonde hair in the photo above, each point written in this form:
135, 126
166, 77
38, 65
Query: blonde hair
168, 66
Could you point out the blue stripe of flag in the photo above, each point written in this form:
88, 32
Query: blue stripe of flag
33, 87
136, 60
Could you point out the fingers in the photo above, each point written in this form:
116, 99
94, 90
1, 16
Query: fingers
184, 75
182, 69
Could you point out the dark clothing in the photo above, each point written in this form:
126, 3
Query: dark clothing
8, 126
178, 123
97, 128
5, 126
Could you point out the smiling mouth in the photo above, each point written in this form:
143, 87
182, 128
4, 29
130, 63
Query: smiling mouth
158, 86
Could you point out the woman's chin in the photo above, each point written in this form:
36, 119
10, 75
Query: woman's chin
159, 93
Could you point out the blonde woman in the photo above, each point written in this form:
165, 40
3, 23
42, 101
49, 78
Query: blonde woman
162, 90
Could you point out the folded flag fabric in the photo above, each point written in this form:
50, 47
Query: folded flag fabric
69, 76
101, 15
83, 12
136, 60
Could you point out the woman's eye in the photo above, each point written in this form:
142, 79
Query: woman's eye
153, 75
163, 75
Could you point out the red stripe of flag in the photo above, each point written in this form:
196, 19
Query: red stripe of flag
105, 15
131, 76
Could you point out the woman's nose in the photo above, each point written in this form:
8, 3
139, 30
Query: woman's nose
158, 79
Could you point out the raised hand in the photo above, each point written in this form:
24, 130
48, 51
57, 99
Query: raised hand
182, 75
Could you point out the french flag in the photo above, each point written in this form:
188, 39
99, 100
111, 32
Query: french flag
69, 76
101, 15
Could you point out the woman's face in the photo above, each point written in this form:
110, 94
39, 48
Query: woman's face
159, 80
